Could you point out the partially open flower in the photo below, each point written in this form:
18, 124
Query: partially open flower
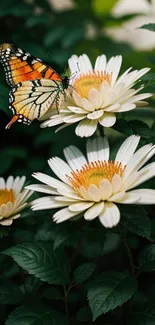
93, 186
12, 199
97, 95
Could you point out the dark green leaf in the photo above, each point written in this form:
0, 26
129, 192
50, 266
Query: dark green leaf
39, 316
40, 260
147, 259
9, 293
146, 317
149, 27
83, 272
84, 315
140, 128
110, 291
135, 219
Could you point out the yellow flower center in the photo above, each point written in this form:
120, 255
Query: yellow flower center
93, 173
6, 196
92, 80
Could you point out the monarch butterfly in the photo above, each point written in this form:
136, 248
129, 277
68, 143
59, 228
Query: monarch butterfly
35, 86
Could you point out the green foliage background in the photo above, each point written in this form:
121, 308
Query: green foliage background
76, 272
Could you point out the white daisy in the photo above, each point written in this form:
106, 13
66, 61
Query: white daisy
12, 199
96, 95
92, 186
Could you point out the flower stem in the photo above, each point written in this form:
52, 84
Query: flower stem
65, 302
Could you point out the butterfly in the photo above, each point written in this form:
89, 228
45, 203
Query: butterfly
35, 86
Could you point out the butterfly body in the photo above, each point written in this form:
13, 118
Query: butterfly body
35, 86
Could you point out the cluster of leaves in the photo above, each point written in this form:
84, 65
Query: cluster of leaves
74, 273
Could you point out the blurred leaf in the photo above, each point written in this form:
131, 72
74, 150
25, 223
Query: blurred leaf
145, 317
149, 27
83, 272
84, 315
135, 219
72, 36
53, 35
4, 231
38, 316
109, 291
52, 293
40, 260
140, 128
123, 126
9, 293
101, 7
147, 259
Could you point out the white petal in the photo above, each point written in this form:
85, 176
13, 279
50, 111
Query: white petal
94, 211
76, 98
46, 203
105, 189
146, 196
9, 182
84, 193
104, 90
3, 209
51, 181
95, 115
116, 183
94, 193
77, 110
72, 62
86, 128
2, 183
74, 118
108, 119
6, 222
74, 157
138, 159
112, 108
81, 206
110, 215
41, 188
95, 98
85, 103
139, 97
144, 174
116, 69
100, 64
97, 149
126, 107
84, 64
18, 184
129, 198
63, 215
118, 197
127, 149
60, 168
70, 195
123, 76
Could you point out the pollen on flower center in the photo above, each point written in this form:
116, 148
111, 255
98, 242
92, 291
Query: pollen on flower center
6, 196
85, 83
94, 173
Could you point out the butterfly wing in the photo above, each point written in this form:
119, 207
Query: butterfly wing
30, 100
20, 66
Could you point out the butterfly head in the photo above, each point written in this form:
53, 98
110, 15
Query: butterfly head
65, 82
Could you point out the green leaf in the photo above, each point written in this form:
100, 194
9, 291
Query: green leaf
54, 35
135, 219
101, 7
110, 291
123, 126
150, 27
38, 316
147, 259
84, 315
146, 317
40, 260
140, 128
52, 293
83, 272
9, 293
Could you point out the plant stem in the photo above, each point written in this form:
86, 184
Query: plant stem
65, 302
129, 256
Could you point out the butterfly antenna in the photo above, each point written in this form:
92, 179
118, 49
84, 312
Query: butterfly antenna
14, 119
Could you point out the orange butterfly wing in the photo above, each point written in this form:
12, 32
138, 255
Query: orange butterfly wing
21, 66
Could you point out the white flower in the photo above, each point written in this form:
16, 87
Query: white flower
12, 199
92, 186
96, 95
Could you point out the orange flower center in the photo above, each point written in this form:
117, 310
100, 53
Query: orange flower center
6, 196
94, 173
85, 83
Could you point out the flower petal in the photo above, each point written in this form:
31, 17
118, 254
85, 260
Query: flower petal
86, 128
94, 211
64, 215
94, 193
105, 189
144, 174
60, 168
116, 183
127, 149
95, 98
74, 157
108, 119
110, 215
95, 115
41, 188
97, 149
100, 64
81, 206
51, 181
146, 196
